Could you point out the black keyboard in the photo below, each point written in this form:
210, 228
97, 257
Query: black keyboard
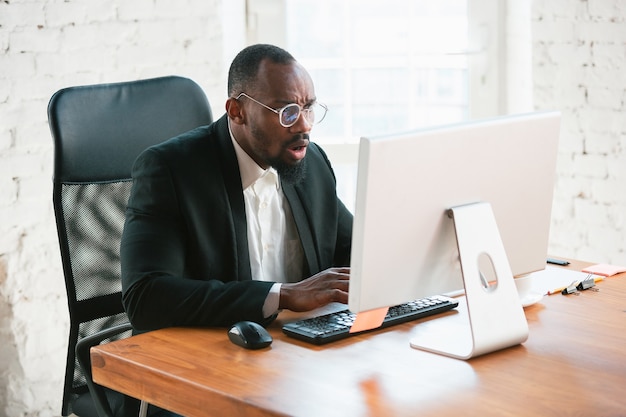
336, 326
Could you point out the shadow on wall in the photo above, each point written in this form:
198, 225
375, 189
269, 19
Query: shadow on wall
9, 363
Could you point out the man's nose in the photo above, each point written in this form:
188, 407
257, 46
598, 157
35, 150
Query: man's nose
302, 125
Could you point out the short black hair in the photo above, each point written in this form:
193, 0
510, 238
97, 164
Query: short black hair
244, 68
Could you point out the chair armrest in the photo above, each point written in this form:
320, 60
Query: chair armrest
84, 359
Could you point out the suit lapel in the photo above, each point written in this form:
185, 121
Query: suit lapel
302, 224
232, 182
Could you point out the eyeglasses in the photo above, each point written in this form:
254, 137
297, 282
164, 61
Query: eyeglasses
289, 115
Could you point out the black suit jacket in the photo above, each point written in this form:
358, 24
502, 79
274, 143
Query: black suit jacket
184, 248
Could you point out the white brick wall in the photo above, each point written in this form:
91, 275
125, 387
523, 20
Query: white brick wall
579, 67
46, 45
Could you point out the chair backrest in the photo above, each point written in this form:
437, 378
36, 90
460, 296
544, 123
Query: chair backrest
98, 131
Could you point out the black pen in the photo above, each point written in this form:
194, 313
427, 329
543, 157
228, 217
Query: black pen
557, 261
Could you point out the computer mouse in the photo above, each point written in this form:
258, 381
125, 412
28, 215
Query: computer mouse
249, 335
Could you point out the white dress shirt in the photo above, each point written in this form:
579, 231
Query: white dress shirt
276, 253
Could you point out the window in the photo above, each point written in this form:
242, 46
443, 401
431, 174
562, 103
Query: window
382, 66
388, 66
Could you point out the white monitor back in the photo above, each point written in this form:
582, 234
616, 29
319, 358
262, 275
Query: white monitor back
404, 244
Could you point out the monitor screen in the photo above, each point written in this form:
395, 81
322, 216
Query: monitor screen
404, 244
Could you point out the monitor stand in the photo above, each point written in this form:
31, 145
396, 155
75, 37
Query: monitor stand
495, 318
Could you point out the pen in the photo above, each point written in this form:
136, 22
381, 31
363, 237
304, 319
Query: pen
558, 290
557, 261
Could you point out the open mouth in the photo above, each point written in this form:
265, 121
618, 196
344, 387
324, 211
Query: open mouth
297, 150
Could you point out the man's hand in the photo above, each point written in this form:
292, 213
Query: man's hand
322, 288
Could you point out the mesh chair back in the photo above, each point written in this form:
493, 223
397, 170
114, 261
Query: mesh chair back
98, 131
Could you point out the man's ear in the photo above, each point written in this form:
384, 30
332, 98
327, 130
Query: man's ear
234, 109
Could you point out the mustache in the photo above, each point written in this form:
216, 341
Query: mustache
298, 138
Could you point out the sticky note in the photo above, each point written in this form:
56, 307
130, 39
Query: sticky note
605, 269
367, 320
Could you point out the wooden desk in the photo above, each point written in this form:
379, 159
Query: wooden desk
573, 364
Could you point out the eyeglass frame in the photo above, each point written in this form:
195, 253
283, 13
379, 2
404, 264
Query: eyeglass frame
280, 111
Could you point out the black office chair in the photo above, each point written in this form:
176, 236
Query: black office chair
98, 131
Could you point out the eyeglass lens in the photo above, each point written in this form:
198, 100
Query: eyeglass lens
289, 114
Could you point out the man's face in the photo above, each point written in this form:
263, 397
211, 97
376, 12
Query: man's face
261, 135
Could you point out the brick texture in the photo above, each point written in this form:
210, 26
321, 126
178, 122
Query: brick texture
579, 68
46, 45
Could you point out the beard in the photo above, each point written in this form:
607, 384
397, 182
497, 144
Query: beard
290, 173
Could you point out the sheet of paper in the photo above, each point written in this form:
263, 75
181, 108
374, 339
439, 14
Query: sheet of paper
553, 278
605, 269
367, 320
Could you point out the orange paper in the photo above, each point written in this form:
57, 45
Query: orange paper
367, 320
604, 269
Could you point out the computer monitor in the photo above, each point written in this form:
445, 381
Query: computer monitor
404, 242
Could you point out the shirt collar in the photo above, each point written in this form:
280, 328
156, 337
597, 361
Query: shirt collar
249, 170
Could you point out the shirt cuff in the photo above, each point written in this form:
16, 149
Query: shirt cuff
272, 301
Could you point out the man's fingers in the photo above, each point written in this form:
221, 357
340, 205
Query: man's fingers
341, 273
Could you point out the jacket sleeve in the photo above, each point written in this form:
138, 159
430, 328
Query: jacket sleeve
157, 288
